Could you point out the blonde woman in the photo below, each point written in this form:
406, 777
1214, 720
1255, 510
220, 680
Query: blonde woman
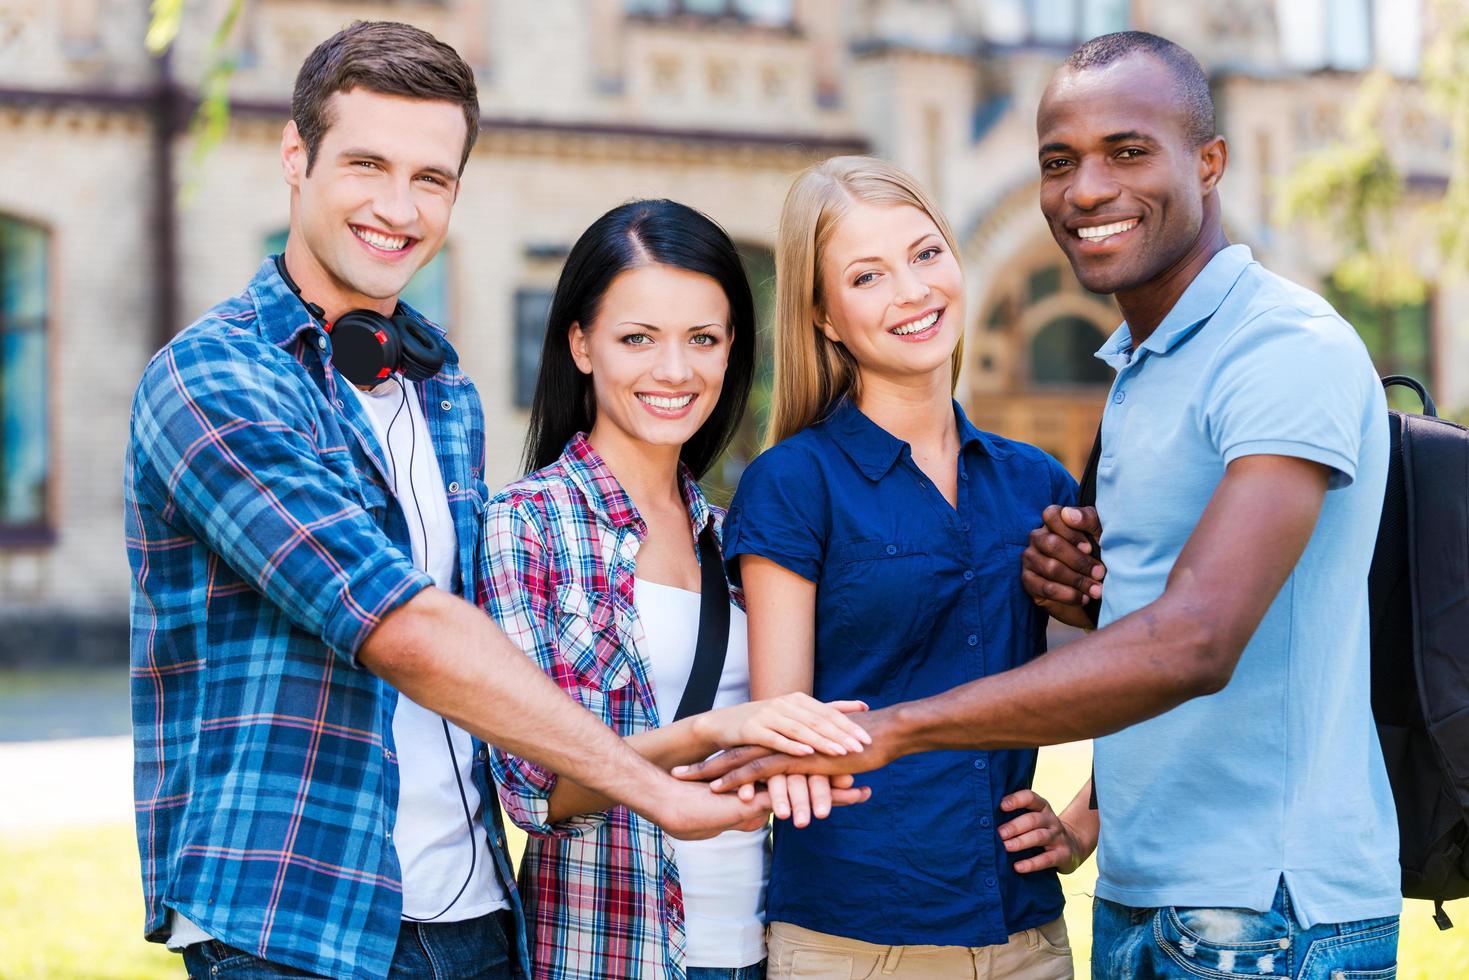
878, 542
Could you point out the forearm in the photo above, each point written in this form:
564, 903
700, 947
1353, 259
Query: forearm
1139, 667
451, 658
1084, 823
673, 745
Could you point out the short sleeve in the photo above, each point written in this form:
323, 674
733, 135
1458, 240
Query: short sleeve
780, 511
227, 436
1292, 384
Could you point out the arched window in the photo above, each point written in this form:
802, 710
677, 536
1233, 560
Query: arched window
427, 292
25, 451
1061, 353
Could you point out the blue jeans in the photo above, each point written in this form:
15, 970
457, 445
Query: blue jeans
475, 949
756, 972
1224, 944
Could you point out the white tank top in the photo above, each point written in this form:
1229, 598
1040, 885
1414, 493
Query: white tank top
723, 878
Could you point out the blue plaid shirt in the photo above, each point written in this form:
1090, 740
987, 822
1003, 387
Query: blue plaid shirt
265, 548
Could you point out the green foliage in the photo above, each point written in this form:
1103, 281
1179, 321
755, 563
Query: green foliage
211, 120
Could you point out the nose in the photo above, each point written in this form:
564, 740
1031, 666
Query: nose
672, 367
1092, 186
909, 287
393, 203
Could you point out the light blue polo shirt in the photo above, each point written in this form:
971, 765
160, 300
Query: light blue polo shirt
1280, 773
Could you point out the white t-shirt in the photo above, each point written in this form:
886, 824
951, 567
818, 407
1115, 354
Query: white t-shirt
430, 834
723, 878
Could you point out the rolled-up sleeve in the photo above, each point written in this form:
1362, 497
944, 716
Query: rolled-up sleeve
517, 589
231, 443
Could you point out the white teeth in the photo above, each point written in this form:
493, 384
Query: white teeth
385, 242
668, 404
1103, 231
917, 326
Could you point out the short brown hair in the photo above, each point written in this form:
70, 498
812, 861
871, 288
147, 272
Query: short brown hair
387, 58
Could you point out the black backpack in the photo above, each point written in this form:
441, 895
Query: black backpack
1418, 593
1418, 590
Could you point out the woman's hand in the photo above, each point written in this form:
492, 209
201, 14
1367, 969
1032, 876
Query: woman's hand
795, 724
801, 798
1039, 826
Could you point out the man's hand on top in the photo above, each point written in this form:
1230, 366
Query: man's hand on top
1057, 567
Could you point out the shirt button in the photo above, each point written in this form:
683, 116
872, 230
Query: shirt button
321, 343
989, 881
963, 475
973, 640
1120, 397
980, 763
446, 404
984, 821
484, 755
892, 549
964, 528
968, 575
339, 404
454, 487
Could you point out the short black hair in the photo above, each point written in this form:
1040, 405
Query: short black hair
1188, 74
657, 232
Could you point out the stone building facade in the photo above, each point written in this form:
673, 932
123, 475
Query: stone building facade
113, 234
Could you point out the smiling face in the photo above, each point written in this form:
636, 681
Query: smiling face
373, 206
656, 352
892, 292
1123, 187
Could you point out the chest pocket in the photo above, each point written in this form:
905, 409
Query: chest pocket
589, 640
882, 593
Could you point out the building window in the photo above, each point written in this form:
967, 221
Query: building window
1398, 336
1069, 22
25, 450
767, 13
532, 311
1044, 282
1351, 35
1061, 353
427, 292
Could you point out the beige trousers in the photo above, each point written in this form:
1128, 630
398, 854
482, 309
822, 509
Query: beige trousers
1043, 953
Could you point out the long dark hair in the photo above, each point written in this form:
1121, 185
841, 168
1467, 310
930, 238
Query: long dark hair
635, 234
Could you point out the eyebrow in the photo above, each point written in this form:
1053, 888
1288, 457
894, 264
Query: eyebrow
1111, 139
360, 154
655, 329
875, 258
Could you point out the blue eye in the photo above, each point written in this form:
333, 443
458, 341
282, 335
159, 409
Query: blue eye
637, 340
864, 279
932, 252
704, 340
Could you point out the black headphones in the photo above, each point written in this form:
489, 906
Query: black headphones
367, 347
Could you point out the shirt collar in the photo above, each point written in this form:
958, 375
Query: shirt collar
610, 503
1197, 304
875, 450
282, 317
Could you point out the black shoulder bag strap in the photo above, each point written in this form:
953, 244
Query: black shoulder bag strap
1086, 496
713, 641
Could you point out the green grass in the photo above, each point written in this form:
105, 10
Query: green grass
70, 905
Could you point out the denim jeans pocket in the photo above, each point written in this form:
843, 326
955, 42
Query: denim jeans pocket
213, 958
1224, 943
1365, 950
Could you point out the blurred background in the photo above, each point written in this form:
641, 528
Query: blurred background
140, 183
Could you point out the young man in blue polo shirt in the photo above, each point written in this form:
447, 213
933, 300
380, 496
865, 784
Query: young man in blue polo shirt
307, 675
1248, 825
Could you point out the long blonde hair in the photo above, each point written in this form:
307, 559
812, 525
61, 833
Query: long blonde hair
811, 371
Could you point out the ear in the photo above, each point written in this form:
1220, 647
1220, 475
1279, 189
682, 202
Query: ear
1213, 158
576, 337
823, 324
293, 154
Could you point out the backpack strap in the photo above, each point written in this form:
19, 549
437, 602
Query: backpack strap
1403, 381
713, 642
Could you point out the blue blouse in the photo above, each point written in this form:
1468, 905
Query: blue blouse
913, 597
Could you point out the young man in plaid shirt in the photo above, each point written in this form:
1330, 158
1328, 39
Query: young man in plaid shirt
293, 629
